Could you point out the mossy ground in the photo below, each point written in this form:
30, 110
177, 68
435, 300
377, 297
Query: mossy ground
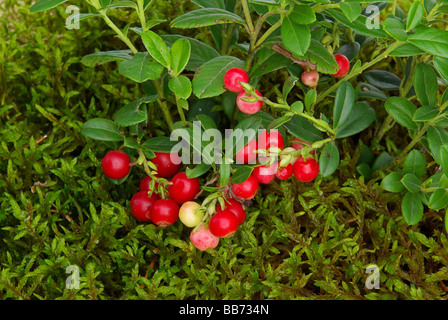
300, 241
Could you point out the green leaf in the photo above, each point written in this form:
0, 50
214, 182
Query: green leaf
242, 174
415, 163
411, 182
441, 65
102, 129
431, 40
425, 113
395, 28
159, 144
210, 3
344, 102
156, 47
381, 161
444, 158
402, 111
438, 199
351, 10
329, 160
321, 57
206, 17
302, 14
180, 54
224, 173
415, 15
133, 113
310, 98
360, 25
303, 129
412, 208
198, 171
43, 5
425, 84
436, 138
296, 37
383, 79
361, 117
181, 86
120, 4
209, 78
140, 68
405, 50
199, 51
97, 58
267, 60
392, 182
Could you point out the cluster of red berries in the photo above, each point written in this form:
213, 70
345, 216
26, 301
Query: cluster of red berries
310, 78
163, 201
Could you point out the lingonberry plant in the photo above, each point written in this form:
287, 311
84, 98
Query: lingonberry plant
329, 54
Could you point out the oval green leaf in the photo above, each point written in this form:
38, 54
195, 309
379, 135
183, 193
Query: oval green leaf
329, 160
411, 208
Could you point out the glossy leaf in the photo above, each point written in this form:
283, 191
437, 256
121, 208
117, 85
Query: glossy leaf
156, 48
382, 79
444, 158
436, 138
395, 28
431, 40
441, 65
392, 182
140, 68
425, 84
402, 111
296, 37
329, 160
206, 17
361, 117
242, 174
43, 5
412, 208
415, 15
438, 199
181, 86
411, 182
415, 163
97, 58
344, 101
180, 54
102, 129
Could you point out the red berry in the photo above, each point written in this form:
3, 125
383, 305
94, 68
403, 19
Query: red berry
182, 188
203, 239
115, 164
248, 153
141, 205
145, 184
223, 224
234, 206
233, 77
265, 174
168, 164
306, 170
270, 139
246, 189
248, 107
344, 65
164, 212
310, 78
298, 144
284, 173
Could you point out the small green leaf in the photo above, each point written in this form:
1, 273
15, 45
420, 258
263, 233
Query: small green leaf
360, 117
402, 111
425, 113
395, 28
198, 171
436, 138
156, 47
415, 163
411, 182
382, 79
159, 144
296, 37
224, 173
242, 174
302, 14
102, 129
140, 68
181, 86
343, 104
412, 208
432, 40
43, 5
329, 160
392, 182
351, 10
444, 158
206, 17
441, 65
425, 84
438, 199
415, 15
180, 54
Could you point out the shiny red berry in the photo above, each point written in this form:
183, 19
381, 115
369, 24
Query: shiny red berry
141, 205
248, 107
248, 154
344, 65
168, 164
270, 139
306, 170
182, 188
203, 239
234, 206
246, 189
233, 77
223, 224
145, 184
115, 164
265, 174
284, 173
164, 212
